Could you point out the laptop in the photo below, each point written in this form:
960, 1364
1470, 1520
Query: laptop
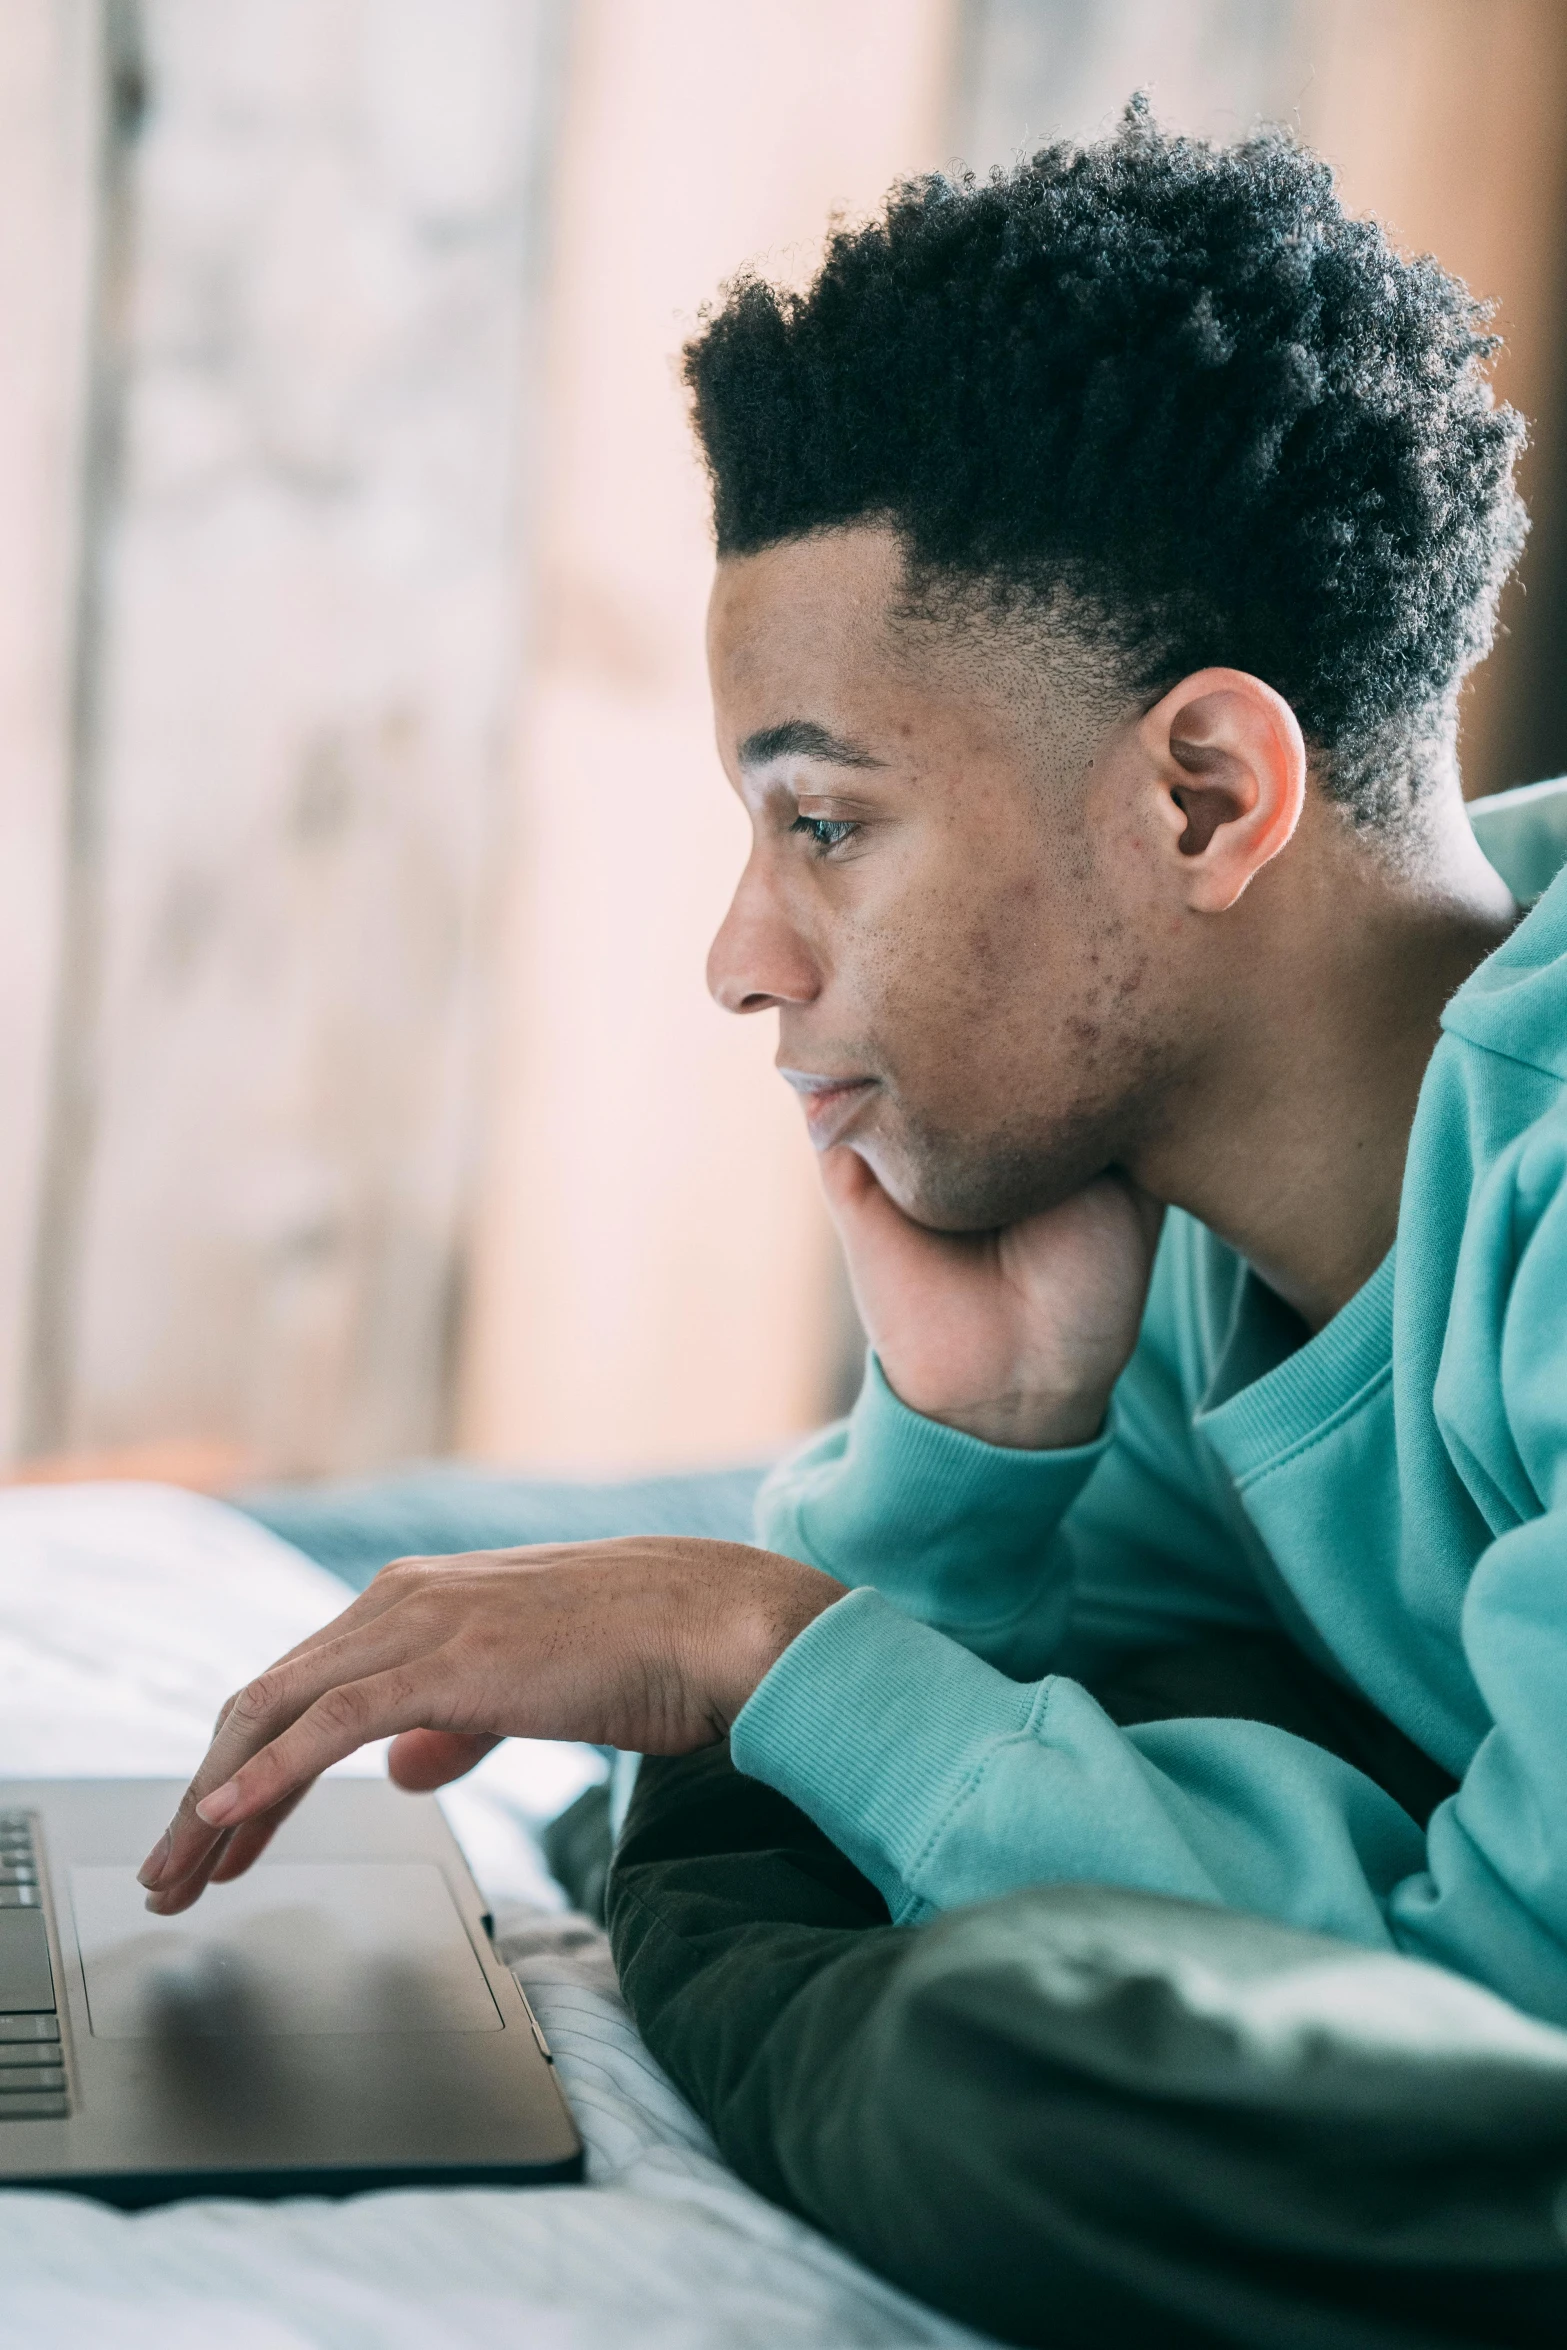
334, 2021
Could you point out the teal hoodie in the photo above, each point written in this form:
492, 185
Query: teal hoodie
1393, 1493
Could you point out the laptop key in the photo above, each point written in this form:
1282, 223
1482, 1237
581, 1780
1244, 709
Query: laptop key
19, 1896
14, 2085
15, 2028
26, 1982
50, 2105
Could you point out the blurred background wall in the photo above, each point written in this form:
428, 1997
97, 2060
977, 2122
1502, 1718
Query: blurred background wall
360, 828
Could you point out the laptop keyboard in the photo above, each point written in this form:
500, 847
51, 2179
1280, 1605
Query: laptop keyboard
32, 2062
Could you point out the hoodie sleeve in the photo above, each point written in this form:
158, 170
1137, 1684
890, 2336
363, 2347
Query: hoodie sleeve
1031, 1559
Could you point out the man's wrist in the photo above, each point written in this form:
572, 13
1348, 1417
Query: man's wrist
785, 1599
1026, 1430
1019, 1423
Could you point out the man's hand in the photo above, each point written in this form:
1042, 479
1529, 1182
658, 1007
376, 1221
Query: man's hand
652, 1644
1017, 1336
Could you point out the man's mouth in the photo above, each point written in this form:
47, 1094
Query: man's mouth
831, 1104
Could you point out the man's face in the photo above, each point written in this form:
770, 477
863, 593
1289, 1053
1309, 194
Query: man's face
939, 903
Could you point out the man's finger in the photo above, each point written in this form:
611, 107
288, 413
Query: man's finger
243, 1846
347, 1716
846, 1180
395, 1582
254, 1716
421, 1760
866, 1213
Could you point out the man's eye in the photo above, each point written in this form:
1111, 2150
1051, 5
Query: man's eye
824, 831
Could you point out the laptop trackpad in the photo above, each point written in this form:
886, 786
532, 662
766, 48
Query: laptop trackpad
294, 1947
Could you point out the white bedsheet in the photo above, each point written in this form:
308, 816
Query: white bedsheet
127, 1613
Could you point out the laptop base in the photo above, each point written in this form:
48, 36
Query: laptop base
336, 2021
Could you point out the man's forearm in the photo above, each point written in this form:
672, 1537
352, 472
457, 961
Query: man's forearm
956, 1533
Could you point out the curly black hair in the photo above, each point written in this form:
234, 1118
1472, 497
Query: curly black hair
1173, 384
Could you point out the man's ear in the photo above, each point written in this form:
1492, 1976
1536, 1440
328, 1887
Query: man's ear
1228, 764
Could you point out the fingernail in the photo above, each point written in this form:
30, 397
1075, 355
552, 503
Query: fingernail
217, 1807
156, 1861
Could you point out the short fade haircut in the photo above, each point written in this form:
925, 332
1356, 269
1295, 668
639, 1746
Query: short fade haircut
1171, 390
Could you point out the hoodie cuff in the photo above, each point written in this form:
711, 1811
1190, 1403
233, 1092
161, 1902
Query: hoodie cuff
954, 1531
878, 1728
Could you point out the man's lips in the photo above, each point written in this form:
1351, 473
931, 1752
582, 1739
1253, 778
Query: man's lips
830, 1103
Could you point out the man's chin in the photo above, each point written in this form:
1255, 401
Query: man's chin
949, 1188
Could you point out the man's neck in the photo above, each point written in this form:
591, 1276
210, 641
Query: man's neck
1293, 1131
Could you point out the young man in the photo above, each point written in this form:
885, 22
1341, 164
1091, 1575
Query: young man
1101, 550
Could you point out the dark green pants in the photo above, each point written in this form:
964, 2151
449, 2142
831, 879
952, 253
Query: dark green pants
1079, 2116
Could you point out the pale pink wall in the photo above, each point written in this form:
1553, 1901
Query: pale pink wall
48, 167
651, 1277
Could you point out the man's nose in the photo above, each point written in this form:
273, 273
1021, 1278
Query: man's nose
759, 961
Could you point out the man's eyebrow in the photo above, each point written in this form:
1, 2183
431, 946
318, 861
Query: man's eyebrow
802, 738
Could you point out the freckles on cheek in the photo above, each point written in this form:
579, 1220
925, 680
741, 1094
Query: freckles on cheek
1009, 917
1104, 1016
995, 955
1130, 979
966, 990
